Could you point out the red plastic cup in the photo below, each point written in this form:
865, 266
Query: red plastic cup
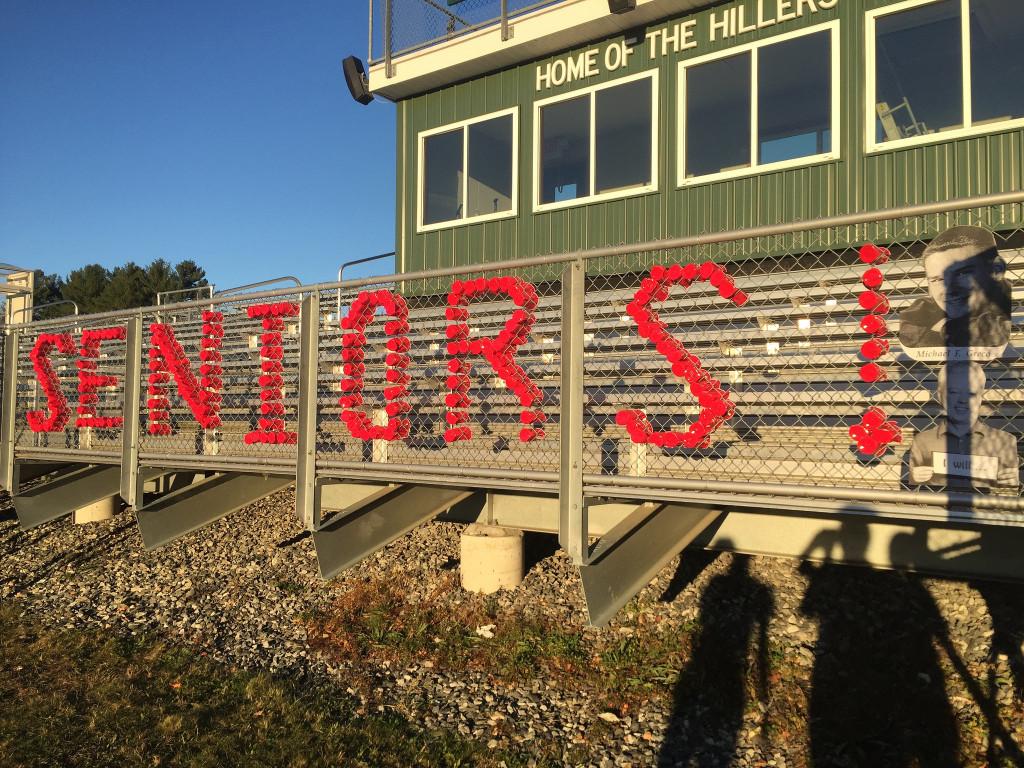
874, 348
872, 278
873, 301
873, 418
873, 254
872, 372
875, 325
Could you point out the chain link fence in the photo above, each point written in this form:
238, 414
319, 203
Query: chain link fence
784, 377
793, 363
65, 377
463, 411
244, 352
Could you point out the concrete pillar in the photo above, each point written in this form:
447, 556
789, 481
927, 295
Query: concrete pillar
492, 558
98, 511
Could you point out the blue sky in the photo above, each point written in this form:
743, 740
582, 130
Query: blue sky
219, 131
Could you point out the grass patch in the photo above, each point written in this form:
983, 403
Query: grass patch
74, 698
373, 622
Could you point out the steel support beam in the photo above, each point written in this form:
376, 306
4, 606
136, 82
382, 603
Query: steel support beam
307, 505
180, 512
573, 525
626, 560
77, 486
65, 493
8, 473
131, 478
348, 538
347, 497
32, 470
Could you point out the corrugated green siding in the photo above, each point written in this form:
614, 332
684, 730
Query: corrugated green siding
857, 182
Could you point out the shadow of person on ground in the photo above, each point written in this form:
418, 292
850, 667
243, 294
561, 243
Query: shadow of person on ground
692, 564
878, 695
711, 694
1005, 605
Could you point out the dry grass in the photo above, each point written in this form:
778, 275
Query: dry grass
711, 684
73, 698
373, 622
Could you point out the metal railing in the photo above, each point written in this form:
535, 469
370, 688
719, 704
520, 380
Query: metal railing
355, 263
258, 284
185, 294
788, 359
35, 308
399, 27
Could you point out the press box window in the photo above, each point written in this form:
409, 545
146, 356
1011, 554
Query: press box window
468, 172
791, 82
597, 144
945, 65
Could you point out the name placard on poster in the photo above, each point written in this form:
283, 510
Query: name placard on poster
955, 354
960, 465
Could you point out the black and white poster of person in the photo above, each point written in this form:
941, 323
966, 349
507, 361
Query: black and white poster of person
966, 315
960, 451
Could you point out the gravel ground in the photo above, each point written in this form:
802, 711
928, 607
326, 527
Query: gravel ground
240, 589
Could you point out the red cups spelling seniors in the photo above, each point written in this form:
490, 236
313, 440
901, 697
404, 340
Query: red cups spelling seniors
716, 406
90, 382
167, 360
500, 352
874, 433
57, 413
362, 312
270, 426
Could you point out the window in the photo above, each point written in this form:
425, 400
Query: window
942, 68
718, 115
467, 171
770, 104
596, 144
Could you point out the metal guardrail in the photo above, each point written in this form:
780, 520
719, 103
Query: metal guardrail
37, 307
398, 27
195, 294
354, 263
258, 284
788, 359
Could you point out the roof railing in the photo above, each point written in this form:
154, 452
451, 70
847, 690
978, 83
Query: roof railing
410, 25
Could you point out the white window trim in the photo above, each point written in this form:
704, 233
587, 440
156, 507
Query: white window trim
755, 168
645, 189
969, 129
463, 125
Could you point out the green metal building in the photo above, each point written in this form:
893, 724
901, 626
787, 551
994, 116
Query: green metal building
562, 125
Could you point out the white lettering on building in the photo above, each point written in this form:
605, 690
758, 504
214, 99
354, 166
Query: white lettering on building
721, 25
